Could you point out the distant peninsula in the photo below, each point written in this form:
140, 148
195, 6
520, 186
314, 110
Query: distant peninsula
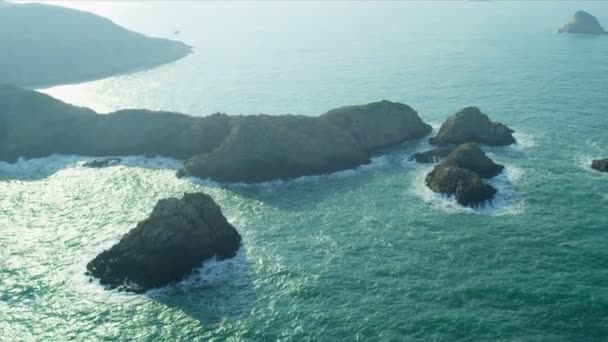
583, 23
45, 45
224, 148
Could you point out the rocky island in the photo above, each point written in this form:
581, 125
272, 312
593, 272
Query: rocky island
175, 239
224, 148
460, 175
471, 125
583, 23
462, 164
46, 45
600, 165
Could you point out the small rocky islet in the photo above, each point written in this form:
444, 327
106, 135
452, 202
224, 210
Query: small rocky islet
600, 165
460, 174
583, 23
177, 237
462, 163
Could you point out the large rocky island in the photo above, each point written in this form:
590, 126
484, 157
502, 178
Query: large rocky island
46, 45
220, 147
167, 246
583, 23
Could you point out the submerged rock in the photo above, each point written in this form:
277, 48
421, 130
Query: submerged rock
471, 125
583, 23
432, 156
461, 173
103, 162
600, 165
167, 246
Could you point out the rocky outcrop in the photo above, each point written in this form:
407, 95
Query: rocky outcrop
460, 175
46, 45
167, 246
220, 147
262, 148
583, 23
432, 156
379, 124
471, 125
470, 156
600, 165
102, 162
467, 187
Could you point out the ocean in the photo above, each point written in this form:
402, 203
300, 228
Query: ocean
364, 254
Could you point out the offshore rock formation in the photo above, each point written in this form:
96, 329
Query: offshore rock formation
583, 23
460, 175
432, 156
600, 165
470, 156
103, 162
44, 45
471, 125
380, 124
167, 246
221, 147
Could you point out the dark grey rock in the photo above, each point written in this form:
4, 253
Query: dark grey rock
466, 186
102, 162
600, 165
583, 23
262, 148
175, 239
461, 173
432, 156
470, 156
471, 125
379, 124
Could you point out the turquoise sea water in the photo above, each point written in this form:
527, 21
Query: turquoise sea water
365, 254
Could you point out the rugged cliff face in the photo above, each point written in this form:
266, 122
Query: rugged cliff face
221, 147
76, 46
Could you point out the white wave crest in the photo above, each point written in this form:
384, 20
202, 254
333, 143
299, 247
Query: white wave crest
212, 272
524, 141
583, 162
